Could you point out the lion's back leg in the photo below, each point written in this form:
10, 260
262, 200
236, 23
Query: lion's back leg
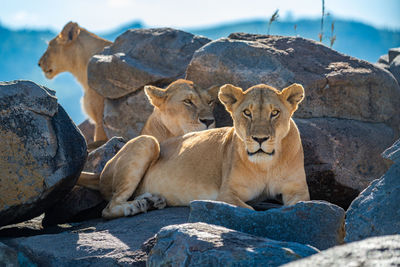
123, 173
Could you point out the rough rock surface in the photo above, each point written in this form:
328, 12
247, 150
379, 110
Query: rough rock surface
84, 203
341, 157
371, 252
87, 129
8, 256
142, 56
41, 151
394, 68
336, 85
200, 244
319, 224
98, 242
391, 62
375, 212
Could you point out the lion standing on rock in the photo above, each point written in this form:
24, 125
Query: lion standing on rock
261, 155
71, 51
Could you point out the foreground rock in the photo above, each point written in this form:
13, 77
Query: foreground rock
376, 251
200, 244
41, 151
376, 211
319, 224
84, 203
97, 243
137, 58
8, 256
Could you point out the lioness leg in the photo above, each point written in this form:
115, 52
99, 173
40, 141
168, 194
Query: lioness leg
93, 104
295, 192
123, 173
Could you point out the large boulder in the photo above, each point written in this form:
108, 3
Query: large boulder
200, 244
97, 242
137, 58
42, 152
375, 251
316, 223
83, 203
8, 256
375, 212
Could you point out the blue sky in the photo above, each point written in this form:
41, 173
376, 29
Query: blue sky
104, 15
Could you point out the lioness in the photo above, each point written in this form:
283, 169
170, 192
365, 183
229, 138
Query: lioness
70, 51
261, 154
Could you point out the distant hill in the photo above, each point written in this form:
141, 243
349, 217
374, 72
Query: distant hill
20, 50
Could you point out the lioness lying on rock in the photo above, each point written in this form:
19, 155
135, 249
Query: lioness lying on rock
261, 154
70, 51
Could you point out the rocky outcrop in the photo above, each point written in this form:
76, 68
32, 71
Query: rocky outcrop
200, 244
376, 251
375, 212
349, 115
96, 243
84, 203
391, 62
87, 129
137, 58
316, 223
41, 151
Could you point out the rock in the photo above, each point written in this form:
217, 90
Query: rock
87, 129
317, 223
384, 59
200, 244
142, 56
84, 203
376, 251
375, 212
393, 53
342, 157
8, 256
336, 85
127, 115
394, 68
98, 242
42, 152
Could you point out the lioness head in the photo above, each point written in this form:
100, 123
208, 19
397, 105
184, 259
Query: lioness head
57, 57
261, 116
184, 107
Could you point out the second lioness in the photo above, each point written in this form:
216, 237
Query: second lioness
261, 154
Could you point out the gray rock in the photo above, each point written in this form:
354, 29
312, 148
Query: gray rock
384, 59
8, 256
394, 68
317, 223
142, 56
375, 212
342, 157
41, 151
200, 244
87, 129
98, 242
83, 203
377, 251
336, 85
393, 53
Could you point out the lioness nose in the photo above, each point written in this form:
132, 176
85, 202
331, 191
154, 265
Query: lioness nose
260, 140
206, 122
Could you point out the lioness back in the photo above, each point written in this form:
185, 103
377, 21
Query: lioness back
184, 165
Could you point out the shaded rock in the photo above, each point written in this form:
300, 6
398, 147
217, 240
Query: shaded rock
98, 242
394, 68
342, 157
393, 53
87, 129
84, 203
317, 223
142, 56
376, 251
8, 256
200, 244
41, 151
384, 59
375, 212
336, 85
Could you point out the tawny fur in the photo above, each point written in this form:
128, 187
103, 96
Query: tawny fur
71, 51
261, 155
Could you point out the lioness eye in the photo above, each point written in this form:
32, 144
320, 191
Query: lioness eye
247, 113
274, 113
188, 102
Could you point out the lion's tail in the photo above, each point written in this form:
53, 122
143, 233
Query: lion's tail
90, 180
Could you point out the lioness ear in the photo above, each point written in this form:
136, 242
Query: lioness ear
293, 94
229, 95
213, 91
155, 95
70, 32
